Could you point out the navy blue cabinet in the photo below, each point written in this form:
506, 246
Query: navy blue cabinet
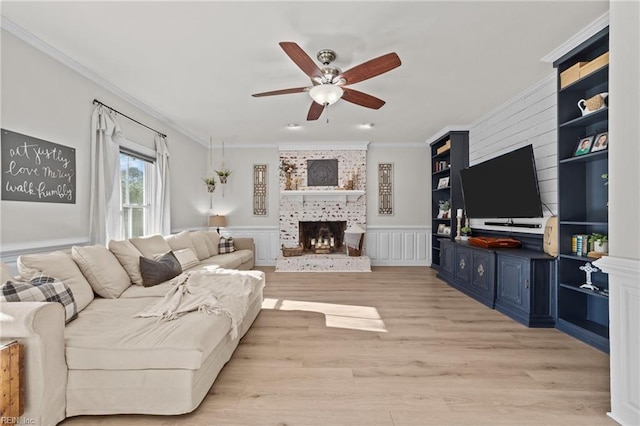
517, 282
469, 269
524, 288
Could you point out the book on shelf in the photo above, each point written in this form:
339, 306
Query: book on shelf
580, 245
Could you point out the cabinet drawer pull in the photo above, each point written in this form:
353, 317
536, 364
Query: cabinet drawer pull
480, 270
462, 264
526, 283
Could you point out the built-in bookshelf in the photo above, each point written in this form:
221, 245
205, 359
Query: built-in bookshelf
449, 155
582, 189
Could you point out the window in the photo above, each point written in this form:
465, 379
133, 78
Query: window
136, 185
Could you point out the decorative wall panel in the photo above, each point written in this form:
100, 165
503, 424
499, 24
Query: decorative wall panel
385, 189
260, 179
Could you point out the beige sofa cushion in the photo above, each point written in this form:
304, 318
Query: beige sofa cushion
5, 273
129, 257
214, 239
127, 343
60, 265
186, 257
150, 246
199, 240
180, 241
101, 268
229, 260
213, 248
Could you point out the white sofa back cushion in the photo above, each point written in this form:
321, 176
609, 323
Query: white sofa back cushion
105, 274
199, 240
214, 239
129, 257
150, 246
5, 273
180, 241
186, 257
60, 265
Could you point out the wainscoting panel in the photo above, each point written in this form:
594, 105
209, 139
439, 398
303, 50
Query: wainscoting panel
386, 246
398, 246
10, 252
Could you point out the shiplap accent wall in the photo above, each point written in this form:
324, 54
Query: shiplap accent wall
529, 118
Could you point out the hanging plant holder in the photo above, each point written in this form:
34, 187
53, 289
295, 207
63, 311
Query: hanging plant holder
223, 175
211, 188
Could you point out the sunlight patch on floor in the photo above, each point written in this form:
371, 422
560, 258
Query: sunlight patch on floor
365, 318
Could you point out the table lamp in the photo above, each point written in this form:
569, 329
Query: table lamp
217, 221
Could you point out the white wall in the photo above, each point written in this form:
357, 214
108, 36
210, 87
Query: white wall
528, 118
43, 98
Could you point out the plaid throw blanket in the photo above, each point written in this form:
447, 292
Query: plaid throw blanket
209, 292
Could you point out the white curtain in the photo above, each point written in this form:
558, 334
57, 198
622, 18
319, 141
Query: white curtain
161, 208
105, 221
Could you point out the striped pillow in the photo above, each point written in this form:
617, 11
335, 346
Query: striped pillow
40, 289
226, 245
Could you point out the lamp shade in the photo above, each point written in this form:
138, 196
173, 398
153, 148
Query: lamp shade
217, 221
326, 94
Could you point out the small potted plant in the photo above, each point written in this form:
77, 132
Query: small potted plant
444, 206
600, 242
223, 175
465, 233
211, 183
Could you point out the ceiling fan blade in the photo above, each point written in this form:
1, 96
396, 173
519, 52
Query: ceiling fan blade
372, 68
281, 92
315, 111
301, 59
362, 99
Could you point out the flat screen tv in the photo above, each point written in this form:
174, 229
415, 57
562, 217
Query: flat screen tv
503, 187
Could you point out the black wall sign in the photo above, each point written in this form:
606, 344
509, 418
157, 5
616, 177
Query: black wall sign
37, 170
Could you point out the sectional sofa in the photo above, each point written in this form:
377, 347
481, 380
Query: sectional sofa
105, 360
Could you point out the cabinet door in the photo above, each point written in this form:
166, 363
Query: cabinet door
463, 265
482, 273
514, 282
446, 257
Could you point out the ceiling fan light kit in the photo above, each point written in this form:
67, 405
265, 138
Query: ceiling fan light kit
326, 94
328, 81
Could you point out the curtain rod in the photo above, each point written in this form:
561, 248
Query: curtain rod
95, 101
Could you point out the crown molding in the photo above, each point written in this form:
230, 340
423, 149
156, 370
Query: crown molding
46, 48
323, 146
577, 39
452, 128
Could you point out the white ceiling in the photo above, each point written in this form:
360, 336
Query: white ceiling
197, 63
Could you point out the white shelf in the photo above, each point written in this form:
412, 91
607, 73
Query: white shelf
322, 195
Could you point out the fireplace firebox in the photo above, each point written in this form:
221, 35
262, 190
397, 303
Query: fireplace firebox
322, 237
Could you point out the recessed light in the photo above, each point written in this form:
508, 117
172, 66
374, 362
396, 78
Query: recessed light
293, 126
366, 125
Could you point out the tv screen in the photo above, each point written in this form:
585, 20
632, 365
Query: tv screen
502, 187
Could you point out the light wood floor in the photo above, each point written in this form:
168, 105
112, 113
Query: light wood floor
433, 357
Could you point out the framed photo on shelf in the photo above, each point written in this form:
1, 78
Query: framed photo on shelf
584, 146
443, 182
441, 228
447, 230
601, 142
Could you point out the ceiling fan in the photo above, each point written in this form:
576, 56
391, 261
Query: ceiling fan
329, 82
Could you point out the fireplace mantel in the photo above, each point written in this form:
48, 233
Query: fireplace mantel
340, 195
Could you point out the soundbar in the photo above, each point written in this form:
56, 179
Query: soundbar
515, 225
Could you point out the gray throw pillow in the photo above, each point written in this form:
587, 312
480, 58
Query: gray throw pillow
158, 271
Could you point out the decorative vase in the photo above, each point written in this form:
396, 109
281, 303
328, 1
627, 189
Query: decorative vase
287, 182
211, 188
223, 179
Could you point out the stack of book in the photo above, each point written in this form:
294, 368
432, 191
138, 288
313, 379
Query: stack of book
580, 245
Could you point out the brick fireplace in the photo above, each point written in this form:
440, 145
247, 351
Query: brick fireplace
322, 212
